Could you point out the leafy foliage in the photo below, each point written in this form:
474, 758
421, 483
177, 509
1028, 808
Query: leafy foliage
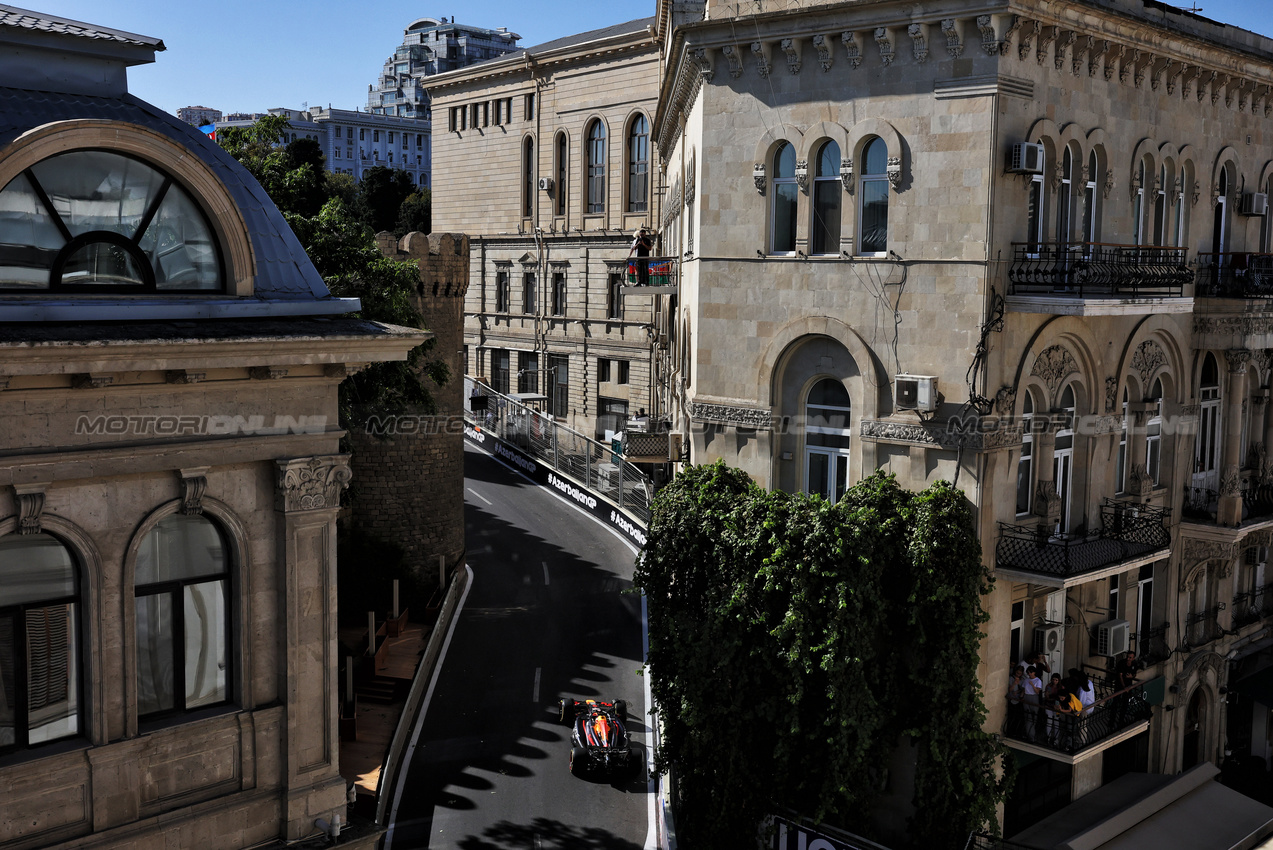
785, 636
415, 214
381, 192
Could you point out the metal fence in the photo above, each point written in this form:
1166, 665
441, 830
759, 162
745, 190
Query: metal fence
1127, 531
595, 465
1096, 270
1113, 711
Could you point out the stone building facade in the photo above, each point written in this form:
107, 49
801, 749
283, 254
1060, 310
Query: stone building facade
558, 172
1022, 247
170, 472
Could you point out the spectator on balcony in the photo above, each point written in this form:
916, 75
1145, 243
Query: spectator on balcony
1070, 708
1016, 712
1126, 669
1040, 662
1051, 697
1033, 689
642, 244
1086, 691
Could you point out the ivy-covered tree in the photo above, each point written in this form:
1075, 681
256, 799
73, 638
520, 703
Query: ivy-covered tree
784, 654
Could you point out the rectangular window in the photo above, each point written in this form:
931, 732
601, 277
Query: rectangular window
614, 296
486, 113
603, 370
559, 294
612, 417
623, 371
336, 153
391, 137
501, 292
499, 111
1025, 469
530, 107
419, 141
559, 369
528, 293
375, 135
528, 372
362, 134
349, 133
473, 117
1113, 597
499, 371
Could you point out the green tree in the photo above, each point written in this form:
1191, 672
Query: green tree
415, 214
783, 644
382, 191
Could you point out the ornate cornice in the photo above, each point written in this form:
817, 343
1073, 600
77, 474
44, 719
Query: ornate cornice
970, 434
311, 483
724, 414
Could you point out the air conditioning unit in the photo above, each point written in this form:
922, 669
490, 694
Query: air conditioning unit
1112, 638
546, 184
1254, 203
1048, 639
1026, 158
915, 392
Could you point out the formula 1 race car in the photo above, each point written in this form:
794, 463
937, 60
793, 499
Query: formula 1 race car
598, 735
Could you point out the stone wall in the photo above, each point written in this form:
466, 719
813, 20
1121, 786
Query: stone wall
409, 478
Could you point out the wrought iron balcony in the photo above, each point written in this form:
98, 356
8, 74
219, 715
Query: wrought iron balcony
1151, 644
1128, 532
1203, 626
651, 276
1113, 711
1202, 503
1234, 275
1097, 270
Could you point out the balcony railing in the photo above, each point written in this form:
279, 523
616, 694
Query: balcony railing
1203, 626
1201, 503
652, 273
1253, 605
1128, 531
1098, 270
1113, 711
1234, 275
1152, 646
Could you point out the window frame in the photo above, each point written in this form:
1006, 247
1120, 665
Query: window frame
595, 168
785, 190
638, 155
820, 233
876, 181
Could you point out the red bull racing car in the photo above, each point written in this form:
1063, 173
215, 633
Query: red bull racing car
598, 735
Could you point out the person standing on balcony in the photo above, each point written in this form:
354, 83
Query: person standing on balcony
642, 244
1016, 693
1033, 689
1087, 692
1126, 669
1051, 696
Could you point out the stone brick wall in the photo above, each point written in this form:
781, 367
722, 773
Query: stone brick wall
410, 483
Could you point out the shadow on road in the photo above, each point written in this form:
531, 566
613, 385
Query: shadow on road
550, 835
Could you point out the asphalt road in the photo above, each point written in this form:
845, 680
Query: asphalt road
545, 617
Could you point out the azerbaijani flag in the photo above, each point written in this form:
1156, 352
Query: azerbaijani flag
209, 130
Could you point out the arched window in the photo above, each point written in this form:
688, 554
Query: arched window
1025, 466
562, 170
1160, 207
1153, 436
1178, 198
97, 221
639, 165
826, 200
1064, 194
1220, 221
1138, 206
873, 212
827, 419
528, 177
1206, 470
785, 194
39, 642
597, 167
183, 617
1120, 470
1090, 218
1063, 459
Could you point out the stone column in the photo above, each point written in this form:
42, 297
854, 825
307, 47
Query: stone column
1262, 424
1139, 482
307, 498
1230, 509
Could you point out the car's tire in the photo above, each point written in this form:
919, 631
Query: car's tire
567, 709
621, 708
578, 760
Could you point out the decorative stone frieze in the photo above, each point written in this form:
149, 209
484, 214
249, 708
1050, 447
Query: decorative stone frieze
194, 483
886, 46
1156, 75
1005, 42
267, 373
1006, 401
1196, 550
741, 417
761, 51
1108, 187
1053, 365
1146, 360
735, 60
311, 483
92, 381
1083, 46
851, 48
1174, 73
1046, 37
1111, 394
791, 47
184, 376
919, 45
977, 434
954, 45
30, 499
1096, 56
1230, 481
823, 45
1112, 59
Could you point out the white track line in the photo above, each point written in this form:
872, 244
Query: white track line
424, 709
479, 495
545, 573
535, 696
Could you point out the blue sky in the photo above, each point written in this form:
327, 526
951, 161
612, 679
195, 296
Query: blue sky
250, 55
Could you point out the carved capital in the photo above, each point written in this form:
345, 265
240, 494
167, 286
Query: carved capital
1230, 482
954, 46
194, 483
802, 173
823, 45
919, 45
846, 174
1006, 401
791, 47
1109, 184
1047, 502
758, 177
30, 499
1111, 394
1139, 481
886, 46
311, 483
894, 171
1238, 358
